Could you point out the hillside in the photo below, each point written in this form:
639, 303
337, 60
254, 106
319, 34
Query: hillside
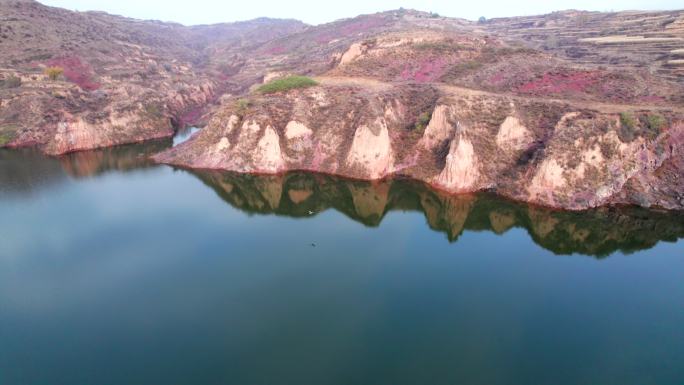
572, 109
123, 80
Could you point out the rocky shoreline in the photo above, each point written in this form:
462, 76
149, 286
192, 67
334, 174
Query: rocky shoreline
581, 160
460, 105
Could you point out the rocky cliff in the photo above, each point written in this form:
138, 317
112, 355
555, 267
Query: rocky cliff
552, 153
119, 80
463, 106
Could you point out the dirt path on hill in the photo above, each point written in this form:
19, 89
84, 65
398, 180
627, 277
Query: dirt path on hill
353, 82
447, 90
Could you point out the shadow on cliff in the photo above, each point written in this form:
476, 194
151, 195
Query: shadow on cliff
598, 233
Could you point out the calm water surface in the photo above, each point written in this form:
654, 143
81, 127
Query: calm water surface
117, 271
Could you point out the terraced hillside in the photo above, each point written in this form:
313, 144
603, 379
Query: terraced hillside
651, 41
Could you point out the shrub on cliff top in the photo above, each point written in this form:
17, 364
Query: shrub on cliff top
627, 120
656, 122
242, 105
628, 127
286, 84
53, 73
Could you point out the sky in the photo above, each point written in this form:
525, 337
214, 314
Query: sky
213, 11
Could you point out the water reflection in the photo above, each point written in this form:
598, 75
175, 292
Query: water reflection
25, 171
121, 158
598, 232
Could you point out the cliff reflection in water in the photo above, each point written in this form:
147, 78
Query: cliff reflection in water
120, 158
23, 171
599, 232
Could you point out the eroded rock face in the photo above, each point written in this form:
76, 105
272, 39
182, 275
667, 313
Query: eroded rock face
513, 136
76, 134
439, 129
296, 130
268, 158
664, 186
62, 118
582, 170
550, 154
308, 136
353, 53
371, 150
462, 170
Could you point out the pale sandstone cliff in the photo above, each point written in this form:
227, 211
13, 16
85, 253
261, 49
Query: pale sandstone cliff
547, 153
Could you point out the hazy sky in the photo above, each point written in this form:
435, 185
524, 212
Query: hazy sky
213, 11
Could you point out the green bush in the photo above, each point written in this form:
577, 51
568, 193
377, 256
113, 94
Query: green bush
242, 106
423, 121
656, 122
627, 120
11, 82
286, 84
54, 73
628, 127
4, 139
7, 132
447, 45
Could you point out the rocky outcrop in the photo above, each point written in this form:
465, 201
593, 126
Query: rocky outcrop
122, 80
76, 134
462, 170
303, 132
513, 136
371, 150
439, 129
661, 185
354, 52
268, 156
548, 153
64, 118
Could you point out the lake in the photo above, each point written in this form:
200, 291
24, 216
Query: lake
114, 270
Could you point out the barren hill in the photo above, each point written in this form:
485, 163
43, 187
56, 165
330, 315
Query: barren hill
572, 109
